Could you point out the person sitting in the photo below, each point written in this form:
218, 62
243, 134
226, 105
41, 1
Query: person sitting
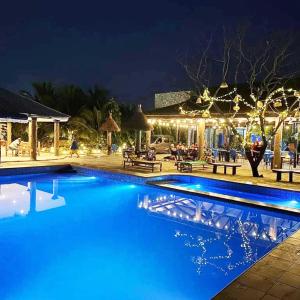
193, 153
74, 148
14, 146
181, 151
151, 154
173, 151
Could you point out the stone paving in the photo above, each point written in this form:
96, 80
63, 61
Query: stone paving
276, 276
114, 163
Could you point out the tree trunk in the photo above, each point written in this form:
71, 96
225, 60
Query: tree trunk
255, 160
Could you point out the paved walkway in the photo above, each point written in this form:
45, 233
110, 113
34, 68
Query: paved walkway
114, 163
276, 276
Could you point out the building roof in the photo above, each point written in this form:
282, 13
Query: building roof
110, 125
16, 108
218, 110
138, 121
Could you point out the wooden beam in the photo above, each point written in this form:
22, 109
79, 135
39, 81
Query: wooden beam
138, 140
201, 138
9, 133
33, 138
108, 142
277, 148
177, 134
56, 138
148, 139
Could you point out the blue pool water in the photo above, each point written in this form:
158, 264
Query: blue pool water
279, 197
75, 236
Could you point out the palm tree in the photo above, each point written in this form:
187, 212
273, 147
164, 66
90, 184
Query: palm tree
87, 126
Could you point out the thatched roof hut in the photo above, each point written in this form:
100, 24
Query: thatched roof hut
138, 121
110, 125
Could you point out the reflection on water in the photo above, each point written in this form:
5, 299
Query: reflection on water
20, 199
233, 233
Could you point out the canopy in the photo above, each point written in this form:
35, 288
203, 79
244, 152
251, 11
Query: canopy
139, 121
110, 124
16, 108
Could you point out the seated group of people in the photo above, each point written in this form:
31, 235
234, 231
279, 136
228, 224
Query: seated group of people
182, 152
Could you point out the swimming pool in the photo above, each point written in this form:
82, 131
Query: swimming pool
247, 193
96, 235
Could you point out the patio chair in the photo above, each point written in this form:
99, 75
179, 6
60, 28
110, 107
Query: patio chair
215, 154
268, 159
233, 154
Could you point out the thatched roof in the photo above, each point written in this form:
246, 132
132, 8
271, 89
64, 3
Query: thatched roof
17, 108
110, 125
138, 121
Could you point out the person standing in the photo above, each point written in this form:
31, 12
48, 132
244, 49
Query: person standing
74, 148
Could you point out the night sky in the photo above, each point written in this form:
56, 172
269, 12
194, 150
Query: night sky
129, 47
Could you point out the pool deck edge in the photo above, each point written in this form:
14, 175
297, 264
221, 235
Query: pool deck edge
222, 197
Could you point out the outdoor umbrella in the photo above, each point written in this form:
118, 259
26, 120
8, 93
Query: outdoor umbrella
109, 126
138, 122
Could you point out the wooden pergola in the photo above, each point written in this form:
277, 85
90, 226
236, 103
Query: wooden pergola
170, 116
19, 109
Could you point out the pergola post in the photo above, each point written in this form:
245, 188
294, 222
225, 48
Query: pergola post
177, 133
56, 138
108, 143
201, 137
189, 137
277, 148
9, 133
148, 139
33, 138
139, 140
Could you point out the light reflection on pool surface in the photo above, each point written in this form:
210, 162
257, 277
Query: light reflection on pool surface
94, 238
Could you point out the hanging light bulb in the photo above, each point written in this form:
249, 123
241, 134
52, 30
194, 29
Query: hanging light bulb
199, 100
224, 85
205, 114
259, 104
297, 114
277, 103
297, 94
283, 114
206, 95
237, 98
236, 107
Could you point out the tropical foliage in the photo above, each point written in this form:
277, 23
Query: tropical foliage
87, 109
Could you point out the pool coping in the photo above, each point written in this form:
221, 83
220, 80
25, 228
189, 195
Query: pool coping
222, 197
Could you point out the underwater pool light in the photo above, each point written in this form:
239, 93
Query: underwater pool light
132, 186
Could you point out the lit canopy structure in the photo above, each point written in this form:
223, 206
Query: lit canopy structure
139, 122
209, 116
109, 126
19, 109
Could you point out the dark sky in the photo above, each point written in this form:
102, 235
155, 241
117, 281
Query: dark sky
130, 47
